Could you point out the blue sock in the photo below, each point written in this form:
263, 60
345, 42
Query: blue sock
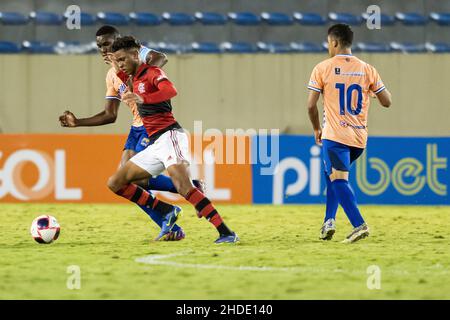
347, 199
332, 201
156, 217
161, 183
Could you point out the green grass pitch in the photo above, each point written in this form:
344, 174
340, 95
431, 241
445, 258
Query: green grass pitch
279, 256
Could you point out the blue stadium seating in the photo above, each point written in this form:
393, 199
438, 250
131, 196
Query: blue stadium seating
373, 47
46, 18
38, 47
273, 47
277, 18
211, 18
342, 17
244, 18
408, 47
438, 47
306, 47
9, 47
145, 19
441, 18
13, 18
309, 19
411, 18
238, 47
173, 47
178, 18
206, 47
114, 18
385, 19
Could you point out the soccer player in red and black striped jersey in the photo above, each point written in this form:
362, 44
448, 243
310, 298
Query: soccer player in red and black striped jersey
169, 148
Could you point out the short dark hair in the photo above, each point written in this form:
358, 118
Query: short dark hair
107, 30
126, 42
342, 33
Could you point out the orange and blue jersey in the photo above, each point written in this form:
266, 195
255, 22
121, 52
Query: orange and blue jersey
346, 84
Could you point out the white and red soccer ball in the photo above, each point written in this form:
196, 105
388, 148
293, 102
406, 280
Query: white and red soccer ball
45, 229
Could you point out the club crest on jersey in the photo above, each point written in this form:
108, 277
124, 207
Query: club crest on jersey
122, 89
141, 87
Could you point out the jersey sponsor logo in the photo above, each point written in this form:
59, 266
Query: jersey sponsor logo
144, 142
122, 89
141, 87
337, 70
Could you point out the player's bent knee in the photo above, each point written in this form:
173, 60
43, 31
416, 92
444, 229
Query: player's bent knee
114, 184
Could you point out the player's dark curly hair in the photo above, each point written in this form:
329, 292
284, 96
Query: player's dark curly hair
126, 42
342, 33
107, 30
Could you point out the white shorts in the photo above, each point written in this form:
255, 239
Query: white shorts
172, 147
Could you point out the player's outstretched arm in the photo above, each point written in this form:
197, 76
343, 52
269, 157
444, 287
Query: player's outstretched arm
313, 113
109, 115
156, 58
385, 98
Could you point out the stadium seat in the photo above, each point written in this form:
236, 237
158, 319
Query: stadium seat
408, 47
277, 18
9, 47
411, 18
244, 18
385, 19
273, 47
206, 47
309, 19
238, 47
38, 47
46, 18
178, 18
373, 47
348, 18
441, 18
211, 18
306, 47
173, 47
13, 18
438, 47
86, 19
114, 18
145, 19
75, 47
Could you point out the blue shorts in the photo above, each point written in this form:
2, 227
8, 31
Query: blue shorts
339, 156
137, 139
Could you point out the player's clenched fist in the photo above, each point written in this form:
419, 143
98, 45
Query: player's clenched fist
130, 97
68, 119
318, 137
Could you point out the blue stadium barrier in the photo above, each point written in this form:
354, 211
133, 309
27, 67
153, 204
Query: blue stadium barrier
9, 47
441, 18
13, 18
174, 48
385, 19
238, 47
145, 19
273, 47
206, 47
211, 18
86, 19
307, 47
309, 19
46, 18
277, 18
178, 18
373, 47
244, 18
438, 47
114, 18
411, 18
348, 18
408, 47
38, 47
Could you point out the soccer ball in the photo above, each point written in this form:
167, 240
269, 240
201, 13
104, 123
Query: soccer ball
45, 229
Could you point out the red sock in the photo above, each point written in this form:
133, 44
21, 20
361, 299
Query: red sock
136, 194
204, 207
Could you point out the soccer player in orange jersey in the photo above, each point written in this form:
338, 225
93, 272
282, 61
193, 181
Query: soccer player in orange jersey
346, 84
